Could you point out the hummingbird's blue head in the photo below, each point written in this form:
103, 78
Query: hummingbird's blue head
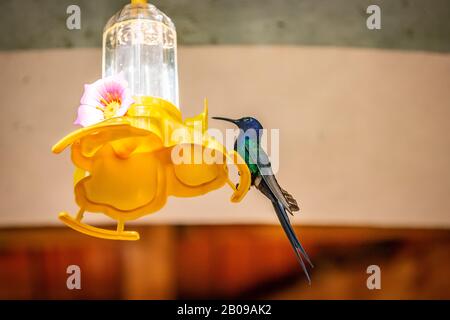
245, 123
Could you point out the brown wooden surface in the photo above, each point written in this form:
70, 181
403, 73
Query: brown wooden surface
224, 262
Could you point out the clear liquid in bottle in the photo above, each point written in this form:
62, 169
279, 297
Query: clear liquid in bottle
140, 43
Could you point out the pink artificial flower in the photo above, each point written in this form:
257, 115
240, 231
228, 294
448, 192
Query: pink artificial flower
105, 98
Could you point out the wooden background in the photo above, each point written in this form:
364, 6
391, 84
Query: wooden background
225, 262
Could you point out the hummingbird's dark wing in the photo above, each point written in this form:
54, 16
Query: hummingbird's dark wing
259, 157
287, 227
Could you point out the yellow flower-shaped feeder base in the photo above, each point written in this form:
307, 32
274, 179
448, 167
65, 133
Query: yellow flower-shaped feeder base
125, 168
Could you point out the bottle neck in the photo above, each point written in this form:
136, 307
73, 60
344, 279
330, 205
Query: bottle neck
138, 1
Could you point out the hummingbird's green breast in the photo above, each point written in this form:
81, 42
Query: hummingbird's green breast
251, 146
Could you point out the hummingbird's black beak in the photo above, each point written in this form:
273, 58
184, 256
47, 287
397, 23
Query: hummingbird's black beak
225, 119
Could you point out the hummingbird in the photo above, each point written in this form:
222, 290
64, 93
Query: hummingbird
248, 146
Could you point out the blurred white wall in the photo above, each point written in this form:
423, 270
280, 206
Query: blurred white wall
365, 134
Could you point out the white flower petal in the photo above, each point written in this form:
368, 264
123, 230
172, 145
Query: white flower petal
88, 115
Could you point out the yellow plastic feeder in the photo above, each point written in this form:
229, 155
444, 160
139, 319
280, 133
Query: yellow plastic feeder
124, 165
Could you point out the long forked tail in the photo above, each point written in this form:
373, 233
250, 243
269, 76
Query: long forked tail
287, 227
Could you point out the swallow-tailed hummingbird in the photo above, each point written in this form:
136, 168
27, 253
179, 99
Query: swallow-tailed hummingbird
248, 145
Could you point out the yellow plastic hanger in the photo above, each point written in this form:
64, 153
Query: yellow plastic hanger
124, 167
